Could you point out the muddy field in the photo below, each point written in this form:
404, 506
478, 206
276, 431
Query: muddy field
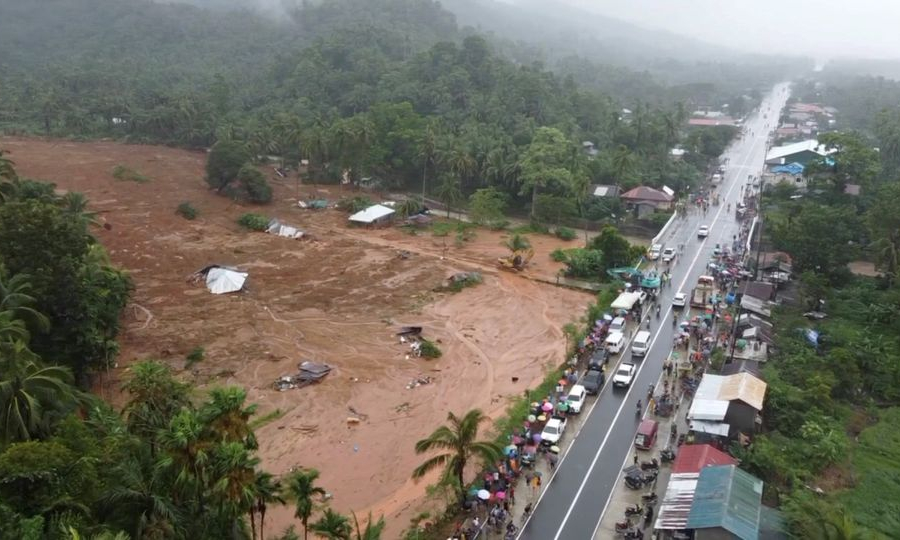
338, 299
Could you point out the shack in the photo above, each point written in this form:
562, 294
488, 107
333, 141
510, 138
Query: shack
374, 216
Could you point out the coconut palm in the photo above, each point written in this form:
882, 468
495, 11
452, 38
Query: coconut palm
226, 416
234, 470
372, 531
75, 204
302, 489
267, 491
7, 175
16, 302
459, 440
32, 396
332, 526
517, 243
449, 192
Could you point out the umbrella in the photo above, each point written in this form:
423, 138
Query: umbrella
562, 382
509, 449
563, 406
547, 407
532, 418
542, 418
518, 440
534, 404
554, 449
500, 495
536, 438
484, 494
473, 491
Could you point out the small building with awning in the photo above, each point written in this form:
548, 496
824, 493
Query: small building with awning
727, 505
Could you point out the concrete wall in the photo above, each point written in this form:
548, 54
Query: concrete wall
741, 417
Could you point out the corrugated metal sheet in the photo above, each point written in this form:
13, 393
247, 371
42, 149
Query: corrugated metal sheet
744, 387
727, 497
708, 409
713, 428
676, 504
692, 458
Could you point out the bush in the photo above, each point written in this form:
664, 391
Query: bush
121, 172
565, 233
254, 222
486, 207
226, 159
354, 204
585, 263
254, 184
196, 355
559, 255
429, 349
659, 219
187, 211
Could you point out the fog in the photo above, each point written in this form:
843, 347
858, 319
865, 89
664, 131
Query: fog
818, 28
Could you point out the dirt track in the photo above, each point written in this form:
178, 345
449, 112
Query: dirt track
337, 299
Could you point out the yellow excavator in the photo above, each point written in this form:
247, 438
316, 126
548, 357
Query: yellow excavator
517, 261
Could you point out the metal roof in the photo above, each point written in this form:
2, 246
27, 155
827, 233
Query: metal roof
676, 504
717, 391
371, 214
692, 458
744, 387
647, 193
720, 429
727, 497
708, 409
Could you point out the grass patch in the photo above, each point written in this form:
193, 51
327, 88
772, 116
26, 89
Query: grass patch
198, 354
457, 284
429, 349
559, 255
257, 423
442, 228
126, 174
565, 233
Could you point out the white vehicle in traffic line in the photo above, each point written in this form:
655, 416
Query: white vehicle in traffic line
703, 231
680, 299
654, 252
668, 255
624, 375
575, 399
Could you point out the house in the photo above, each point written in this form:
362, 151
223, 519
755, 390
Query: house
852, 189
648, 196
604, 191
717, 121
727, 505
761, 290
679, 497
791, 173
726, 405
676, 154
801, 152
590, 149
373, 216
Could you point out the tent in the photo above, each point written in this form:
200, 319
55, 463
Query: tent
373, 214
221, 280
280, 229
625, 300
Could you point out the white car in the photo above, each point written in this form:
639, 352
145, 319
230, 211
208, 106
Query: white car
575, 399
553, 431
624, 375
655, 249
668, 255
680, 300
703, 231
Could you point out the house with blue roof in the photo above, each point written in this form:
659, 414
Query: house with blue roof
727, 505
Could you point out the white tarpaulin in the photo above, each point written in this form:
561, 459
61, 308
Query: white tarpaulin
276, 227
371, 214
223, 280
625, 301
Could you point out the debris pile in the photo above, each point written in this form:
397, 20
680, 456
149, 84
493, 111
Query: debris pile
310, 373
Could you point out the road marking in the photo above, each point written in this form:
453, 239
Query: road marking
615, 419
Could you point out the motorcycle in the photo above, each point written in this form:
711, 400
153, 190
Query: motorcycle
623, 526
651, 465
633, 510
667, 455
634, 534
650, 498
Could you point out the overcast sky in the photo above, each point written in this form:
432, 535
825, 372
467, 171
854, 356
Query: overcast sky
818, 28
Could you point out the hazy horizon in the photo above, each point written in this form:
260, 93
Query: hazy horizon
822, 29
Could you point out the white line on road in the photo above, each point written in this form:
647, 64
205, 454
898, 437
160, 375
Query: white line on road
615, 419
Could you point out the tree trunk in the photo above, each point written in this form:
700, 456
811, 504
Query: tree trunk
534, 191
424, 174
262, 522
252, 523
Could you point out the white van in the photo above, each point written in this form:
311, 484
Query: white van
614, 342
641, 343
617, 325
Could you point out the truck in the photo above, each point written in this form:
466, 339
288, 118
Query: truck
703, 291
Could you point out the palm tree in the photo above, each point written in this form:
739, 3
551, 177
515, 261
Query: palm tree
517, 243
459, 441
156, 397
188, 454
75, 204
235, 473
267, 491
7, 175
449, 192
623, 163
372, 531
226, 417
332, 526
427, 149
302, 489
32, 396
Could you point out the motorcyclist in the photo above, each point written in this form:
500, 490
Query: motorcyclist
639, 407
658, 309
674, 319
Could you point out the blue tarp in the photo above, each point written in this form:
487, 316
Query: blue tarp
791, 168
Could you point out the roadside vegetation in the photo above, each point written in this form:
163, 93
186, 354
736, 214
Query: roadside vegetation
829, 448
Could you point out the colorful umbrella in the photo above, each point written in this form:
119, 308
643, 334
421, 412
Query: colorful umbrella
509, 449
484, 494
554, 449
547, 407
562, 382
532, 418
543, 418
536, 438
500, 495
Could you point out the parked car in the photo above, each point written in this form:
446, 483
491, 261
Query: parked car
624, 375
553, 431
599, 358
668, 255
703, 231
617, 325
593, 381
653, 254
680, 299
575, 399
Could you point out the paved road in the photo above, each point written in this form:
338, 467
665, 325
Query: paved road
575, 499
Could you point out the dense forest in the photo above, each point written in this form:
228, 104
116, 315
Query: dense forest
390, 90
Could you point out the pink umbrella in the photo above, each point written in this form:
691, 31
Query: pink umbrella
547, 407
500, 495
